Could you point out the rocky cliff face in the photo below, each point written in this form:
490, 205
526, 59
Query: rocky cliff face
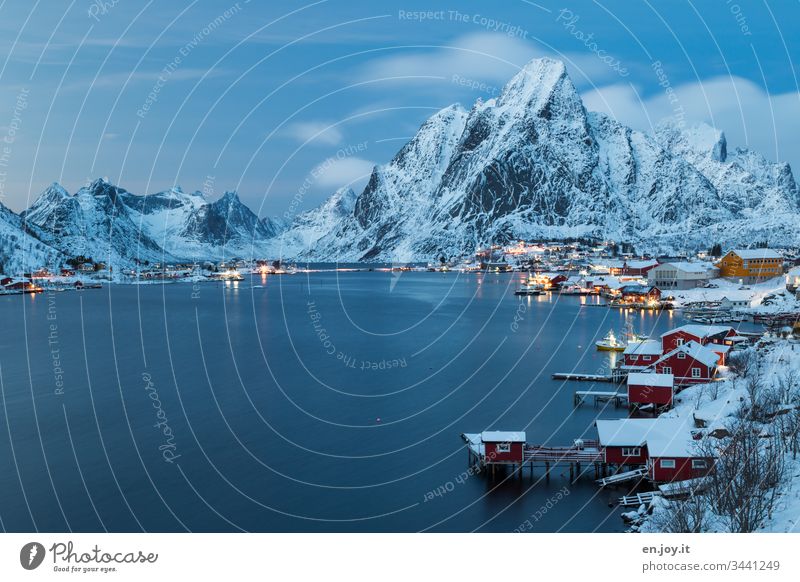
534, 163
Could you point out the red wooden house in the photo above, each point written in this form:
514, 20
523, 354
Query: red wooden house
639, 294
633, 268
19, 284
503, 446
650, 388
675, 454
623, 440
702, 334
690, 363
640, 355
665, 446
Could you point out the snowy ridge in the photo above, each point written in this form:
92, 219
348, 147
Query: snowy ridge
533, 163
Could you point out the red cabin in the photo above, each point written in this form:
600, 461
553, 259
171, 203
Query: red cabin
633, 268
503, 446
639, 294
690, 363
702, 334
623, 441
665, 446
656, 389
641, 354
675, 456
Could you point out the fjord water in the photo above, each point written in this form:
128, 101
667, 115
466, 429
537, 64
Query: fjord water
314, 402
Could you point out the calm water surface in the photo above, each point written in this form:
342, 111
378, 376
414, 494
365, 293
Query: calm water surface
320, 402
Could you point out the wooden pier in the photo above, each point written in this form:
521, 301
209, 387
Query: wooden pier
579, 456
616, 376
617, 398
637, 499
623, 477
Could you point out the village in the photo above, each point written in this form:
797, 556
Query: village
695, 396
83, 273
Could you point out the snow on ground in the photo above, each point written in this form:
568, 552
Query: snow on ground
754, 294
717, 403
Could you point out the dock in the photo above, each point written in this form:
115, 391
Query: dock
617, 398
581, 454
622, 477
616, 376
638, 499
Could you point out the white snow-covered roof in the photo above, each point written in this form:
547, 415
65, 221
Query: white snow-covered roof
623, 432
700, 331
664, 437
502, 436
671, 437
655, 380
644, 348
757, 253
703, 354
719, 348
690, 267
641, 264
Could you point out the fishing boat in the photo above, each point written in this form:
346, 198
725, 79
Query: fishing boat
610, 343
529, 290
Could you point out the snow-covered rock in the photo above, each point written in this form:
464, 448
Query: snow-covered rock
21, 248
533, 163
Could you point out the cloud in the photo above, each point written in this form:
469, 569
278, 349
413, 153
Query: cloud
336, 172
489, 57
749, 116
315, 132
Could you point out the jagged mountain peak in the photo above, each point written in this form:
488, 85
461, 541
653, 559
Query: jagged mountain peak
534, 163
536, 84
701, 139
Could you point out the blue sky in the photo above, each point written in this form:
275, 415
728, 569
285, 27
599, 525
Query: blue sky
288, 101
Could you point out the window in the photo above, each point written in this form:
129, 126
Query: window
695, 372
681, 355
666, 370
699, 464
646, 358
680, 341
631, 451
667, 463
503, 448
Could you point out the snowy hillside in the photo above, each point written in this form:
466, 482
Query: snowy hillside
22, 251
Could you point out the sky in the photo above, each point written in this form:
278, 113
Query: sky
285, 102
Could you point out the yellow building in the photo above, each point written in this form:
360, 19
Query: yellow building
751, 265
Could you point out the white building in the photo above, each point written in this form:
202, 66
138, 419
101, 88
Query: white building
793, 280
681, 275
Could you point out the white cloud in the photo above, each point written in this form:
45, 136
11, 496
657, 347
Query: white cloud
489, 57
336, 172
749, 116
317, 132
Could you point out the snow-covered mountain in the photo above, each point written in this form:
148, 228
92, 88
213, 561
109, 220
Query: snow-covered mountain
21, 249
534, 163
109, 224
531, 163
95, 223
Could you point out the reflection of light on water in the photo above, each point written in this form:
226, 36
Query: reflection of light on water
612, 359
583, 299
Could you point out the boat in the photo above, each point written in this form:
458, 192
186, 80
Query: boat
610, 343
529, 290
577, 290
